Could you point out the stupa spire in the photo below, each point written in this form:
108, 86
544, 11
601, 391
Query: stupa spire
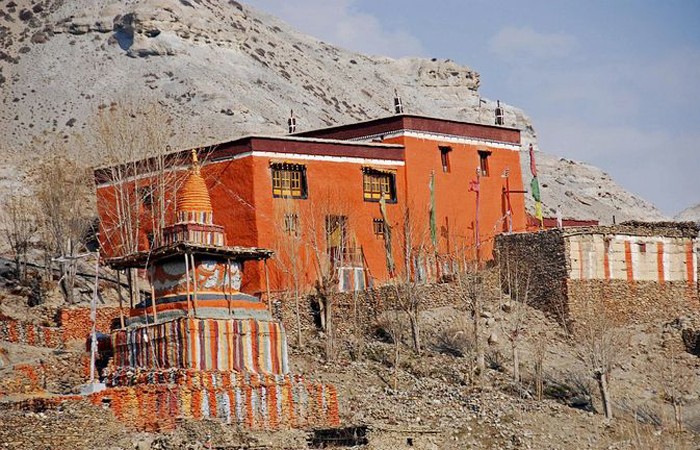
193, 200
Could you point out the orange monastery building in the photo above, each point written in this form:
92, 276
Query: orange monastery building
317, 193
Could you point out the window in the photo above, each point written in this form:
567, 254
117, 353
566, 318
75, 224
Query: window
445, 157
146, 195
288, 180
377, 184
378, 227
499, 113
336, 237
642, 247
291, 224
484, 162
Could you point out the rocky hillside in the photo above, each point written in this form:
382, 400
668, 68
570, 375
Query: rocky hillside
221, 70
689, 214
583, 191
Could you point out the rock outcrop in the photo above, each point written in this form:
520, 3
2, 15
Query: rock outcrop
691, 213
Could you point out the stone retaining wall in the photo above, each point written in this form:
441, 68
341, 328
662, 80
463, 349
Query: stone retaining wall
640, 301
74, 325
536, 261
563, 292
362, 309
152, 400
28, 333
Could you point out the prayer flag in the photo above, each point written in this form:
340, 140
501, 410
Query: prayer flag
433, 221
387, 237
535, 188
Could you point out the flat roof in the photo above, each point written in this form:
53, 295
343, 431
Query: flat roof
263, 143
354, 130
142, 259
332, 141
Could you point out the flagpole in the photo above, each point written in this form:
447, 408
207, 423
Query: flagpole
476, 219
474, 186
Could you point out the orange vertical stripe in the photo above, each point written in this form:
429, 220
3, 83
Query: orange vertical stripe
214, 343
628, 261
193, 343
213, 404
660, 262
606, 259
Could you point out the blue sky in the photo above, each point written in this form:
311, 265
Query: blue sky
614, 83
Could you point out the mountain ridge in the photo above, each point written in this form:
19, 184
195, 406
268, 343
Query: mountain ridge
223, 70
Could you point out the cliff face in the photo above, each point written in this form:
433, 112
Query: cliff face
220, 69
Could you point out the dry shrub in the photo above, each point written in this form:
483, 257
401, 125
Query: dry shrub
454, 341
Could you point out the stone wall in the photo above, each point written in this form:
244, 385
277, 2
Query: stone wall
76, 325
640, 301
151, 400
572, 266
23, 379
28, 333
364, 308
55, 374
536, 261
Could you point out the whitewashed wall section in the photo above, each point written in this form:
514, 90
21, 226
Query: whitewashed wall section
652, 258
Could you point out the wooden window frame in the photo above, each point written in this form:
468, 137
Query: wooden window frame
291, 224
378, 227
377, 183
445, 151
484, 162
288, 180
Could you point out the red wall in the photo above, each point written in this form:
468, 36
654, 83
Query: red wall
455, 205
334, 188
241, 192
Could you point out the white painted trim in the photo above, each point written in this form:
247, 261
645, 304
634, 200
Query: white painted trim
340, 159
140, 176
439, 137
665, 260
298, 156
634, 249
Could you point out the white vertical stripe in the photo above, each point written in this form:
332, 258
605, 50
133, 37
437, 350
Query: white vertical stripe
666, 260
634, 249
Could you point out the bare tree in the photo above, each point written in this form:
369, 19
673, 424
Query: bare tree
470, 289
409, 280
133, 142
598, 345
676, 381
143, 173
515, 279
64, 193
393, 323
540, 352
327, 238
21, 226
288, 253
